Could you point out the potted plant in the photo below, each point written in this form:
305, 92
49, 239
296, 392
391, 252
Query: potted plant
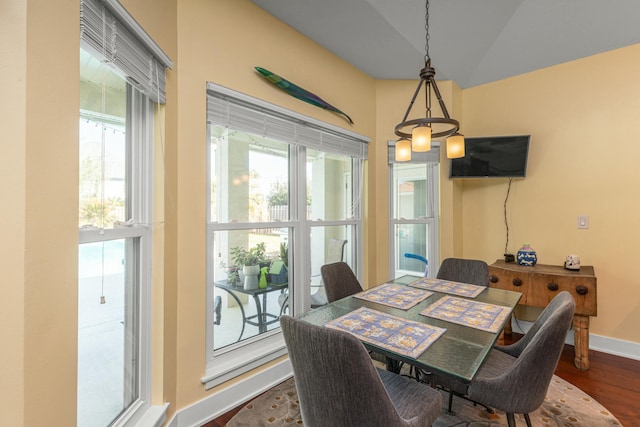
249, 260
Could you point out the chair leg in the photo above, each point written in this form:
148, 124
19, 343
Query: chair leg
527, 419
511, 420
217, 309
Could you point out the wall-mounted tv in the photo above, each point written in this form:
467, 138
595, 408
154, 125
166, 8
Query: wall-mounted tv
492, 157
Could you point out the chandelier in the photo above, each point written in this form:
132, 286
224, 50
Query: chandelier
416, 134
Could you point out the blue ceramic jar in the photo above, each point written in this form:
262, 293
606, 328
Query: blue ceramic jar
527, 256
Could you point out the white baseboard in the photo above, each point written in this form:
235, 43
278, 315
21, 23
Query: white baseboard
628, 349
230, 397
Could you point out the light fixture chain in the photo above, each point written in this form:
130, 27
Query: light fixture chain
426, 28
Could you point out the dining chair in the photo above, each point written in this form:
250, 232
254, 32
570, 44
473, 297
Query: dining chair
518, 385
339, 386
339, 281
518, 347
470, 271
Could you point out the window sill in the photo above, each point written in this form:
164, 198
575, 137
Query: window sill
227, 366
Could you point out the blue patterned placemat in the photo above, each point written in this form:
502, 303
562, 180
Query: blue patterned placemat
393, 295
449, 287
479, 315
393, 333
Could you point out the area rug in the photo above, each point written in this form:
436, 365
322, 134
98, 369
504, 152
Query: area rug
564, 406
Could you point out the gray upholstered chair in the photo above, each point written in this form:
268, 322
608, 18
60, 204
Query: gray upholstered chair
339, 386
516, 348
518, 385
474, 272
470, 271
339, 281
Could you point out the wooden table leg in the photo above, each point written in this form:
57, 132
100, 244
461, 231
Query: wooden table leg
507, 326
505, 331
581, 340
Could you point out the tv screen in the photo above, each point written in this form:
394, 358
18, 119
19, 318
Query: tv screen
492, 157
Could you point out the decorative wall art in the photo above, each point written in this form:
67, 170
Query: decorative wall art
300, 93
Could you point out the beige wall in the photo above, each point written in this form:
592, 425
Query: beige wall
222, 41
583, 160
392, 100
574, 122
13, 63
39, 113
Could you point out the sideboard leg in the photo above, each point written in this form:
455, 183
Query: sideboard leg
581, 338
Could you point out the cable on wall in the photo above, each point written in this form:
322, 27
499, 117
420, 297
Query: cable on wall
506, 221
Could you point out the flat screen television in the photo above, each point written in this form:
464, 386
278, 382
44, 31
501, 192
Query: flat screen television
492, 157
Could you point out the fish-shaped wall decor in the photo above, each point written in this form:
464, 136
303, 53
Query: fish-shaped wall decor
300, 93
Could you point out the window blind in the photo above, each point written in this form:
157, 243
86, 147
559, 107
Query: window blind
111, 34
432, 155
242, 112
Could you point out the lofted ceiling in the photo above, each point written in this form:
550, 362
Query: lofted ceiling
471, 41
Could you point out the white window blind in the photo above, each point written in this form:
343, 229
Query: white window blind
112, 35
241, 112
432, 155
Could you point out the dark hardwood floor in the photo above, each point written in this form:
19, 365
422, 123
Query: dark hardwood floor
611, 380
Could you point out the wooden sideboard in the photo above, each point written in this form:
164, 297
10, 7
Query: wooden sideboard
539, 284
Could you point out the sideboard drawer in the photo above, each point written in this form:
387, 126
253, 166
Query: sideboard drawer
541, 283
510, 280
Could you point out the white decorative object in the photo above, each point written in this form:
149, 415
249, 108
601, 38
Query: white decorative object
572, 262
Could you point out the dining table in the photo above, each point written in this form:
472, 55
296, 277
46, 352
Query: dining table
434, 328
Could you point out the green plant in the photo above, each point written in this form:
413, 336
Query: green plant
240, 256
233, 276
284, 253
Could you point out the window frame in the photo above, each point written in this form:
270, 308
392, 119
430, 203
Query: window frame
431, 161
235, 359
111, 34
138, 208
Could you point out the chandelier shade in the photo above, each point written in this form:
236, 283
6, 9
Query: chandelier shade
421, 131
403, 150
455, 146
421, 139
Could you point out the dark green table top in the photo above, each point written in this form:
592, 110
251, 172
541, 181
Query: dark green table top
459, 352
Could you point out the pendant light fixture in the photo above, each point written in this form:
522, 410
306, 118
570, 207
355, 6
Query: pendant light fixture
418, 132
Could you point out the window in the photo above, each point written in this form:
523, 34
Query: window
114, 253
286, 188
413, 216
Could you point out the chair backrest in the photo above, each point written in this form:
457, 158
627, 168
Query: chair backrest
518, 347
470, 271
522, 387
339, 281
335, 251
336, 381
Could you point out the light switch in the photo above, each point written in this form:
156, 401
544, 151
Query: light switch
583, 221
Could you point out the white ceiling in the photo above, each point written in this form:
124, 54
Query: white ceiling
471, 41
